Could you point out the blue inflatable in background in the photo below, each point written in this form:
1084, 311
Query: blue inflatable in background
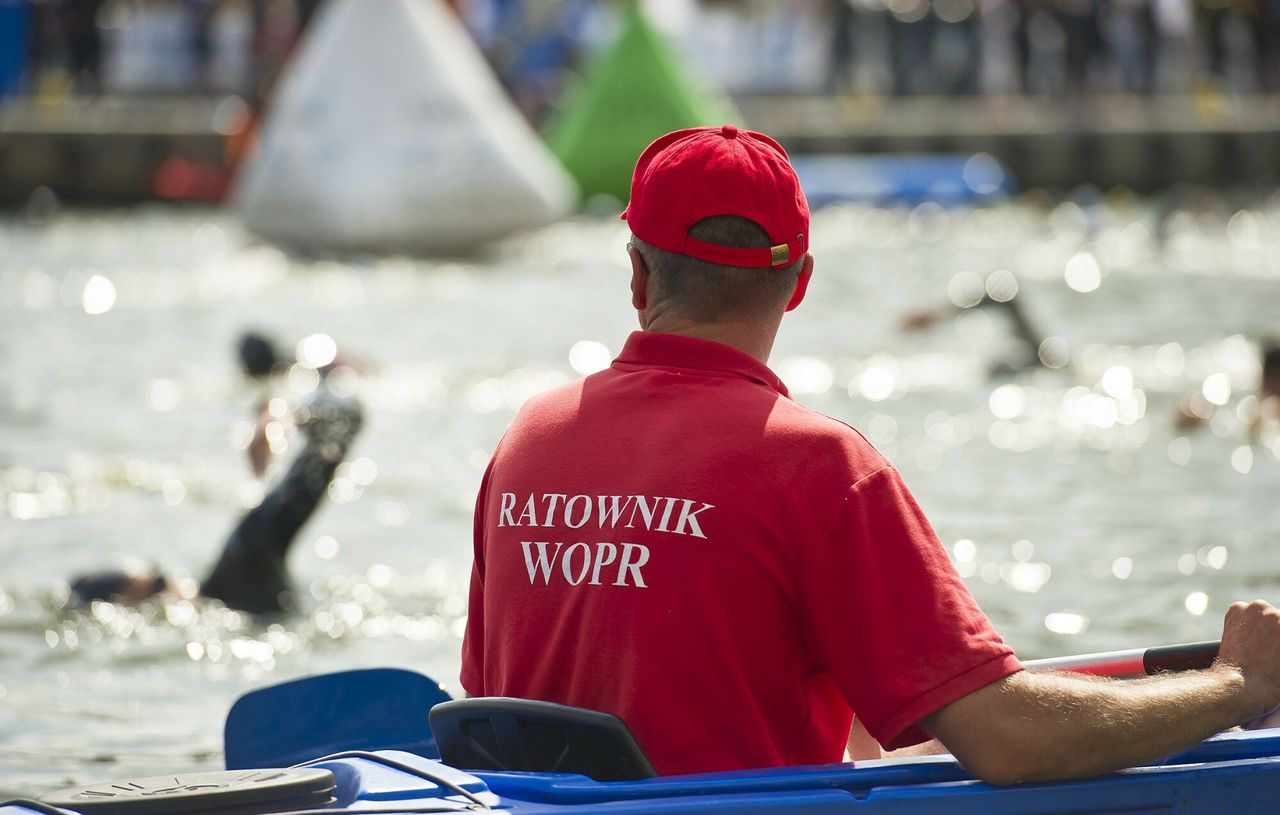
13, 44
903, 179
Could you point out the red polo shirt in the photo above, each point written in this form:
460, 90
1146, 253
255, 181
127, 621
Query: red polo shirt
675, 541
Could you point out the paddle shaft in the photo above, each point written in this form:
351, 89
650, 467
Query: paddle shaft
1191, 656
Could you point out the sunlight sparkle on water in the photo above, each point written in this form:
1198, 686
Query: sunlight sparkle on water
1026, 578
1007, 402
380, 575
1247, 409
588, 356
1242, 459
875, 384
1068, 623
1100, 411
343, 490
1197, 603
929, 222
1187, 564
303, 378
99, 295
1122, 568
363, 471
317, 350
1083, 273
1117, 382
806, 375
1002, 286
1170, 359
982, 173
326, 547
964, 290
162, 395
174, 491
1217, 388
1215, 557
23, 506
277, 437
1054, 352
1244, 230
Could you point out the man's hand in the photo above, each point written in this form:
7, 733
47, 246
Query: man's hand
1046, 726
1251, 643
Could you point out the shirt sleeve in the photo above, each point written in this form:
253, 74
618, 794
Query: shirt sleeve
889, 617
472, 675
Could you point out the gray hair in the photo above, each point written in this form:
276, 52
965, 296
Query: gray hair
708, 292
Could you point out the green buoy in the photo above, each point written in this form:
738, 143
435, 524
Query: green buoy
631, 94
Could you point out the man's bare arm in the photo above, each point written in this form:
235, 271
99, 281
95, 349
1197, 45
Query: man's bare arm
1039, 727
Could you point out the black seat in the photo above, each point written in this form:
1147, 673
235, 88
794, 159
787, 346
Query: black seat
498, 733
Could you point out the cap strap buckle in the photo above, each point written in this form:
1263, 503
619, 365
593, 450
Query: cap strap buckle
756, 257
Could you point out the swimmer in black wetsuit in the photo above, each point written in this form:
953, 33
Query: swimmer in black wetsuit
251, 574
1026, 355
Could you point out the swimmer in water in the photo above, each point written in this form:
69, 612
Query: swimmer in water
1266, 411
1029, 340
251, 574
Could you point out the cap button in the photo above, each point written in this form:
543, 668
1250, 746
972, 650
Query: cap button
729, 132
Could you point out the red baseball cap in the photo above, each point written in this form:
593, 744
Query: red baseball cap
689, 175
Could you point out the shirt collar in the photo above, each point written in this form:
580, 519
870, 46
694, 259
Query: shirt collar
651, 348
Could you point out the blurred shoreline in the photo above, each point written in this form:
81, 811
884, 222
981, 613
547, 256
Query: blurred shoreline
128, 148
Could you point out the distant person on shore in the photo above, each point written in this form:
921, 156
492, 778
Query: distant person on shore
1265, 412
251, 574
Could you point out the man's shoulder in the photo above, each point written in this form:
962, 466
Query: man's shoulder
557, 404
795, 417
824, 439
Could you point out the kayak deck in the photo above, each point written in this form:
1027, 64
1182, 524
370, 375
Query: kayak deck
1235, 772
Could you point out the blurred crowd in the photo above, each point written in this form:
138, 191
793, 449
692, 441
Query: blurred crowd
1066, 46
897, 47
155, 46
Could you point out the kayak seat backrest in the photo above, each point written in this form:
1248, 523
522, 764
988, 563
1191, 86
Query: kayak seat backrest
302, 719
499, 733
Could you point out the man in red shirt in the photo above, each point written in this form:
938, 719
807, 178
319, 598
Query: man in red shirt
675, 541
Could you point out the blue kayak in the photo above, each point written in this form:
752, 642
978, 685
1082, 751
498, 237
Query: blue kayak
373, 748
1235, 773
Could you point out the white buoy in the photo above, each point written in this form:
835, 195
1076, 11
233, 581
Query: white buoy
390, 132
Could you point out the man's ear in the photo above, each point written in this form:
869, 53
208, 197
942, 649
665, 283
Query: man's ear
639, 280
802, 283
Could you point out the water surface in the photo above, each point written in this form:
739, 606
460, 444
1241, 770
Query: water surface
1082, 518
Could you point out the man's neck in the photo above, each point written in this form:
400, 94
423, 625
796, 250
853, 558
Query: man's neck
753, 339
